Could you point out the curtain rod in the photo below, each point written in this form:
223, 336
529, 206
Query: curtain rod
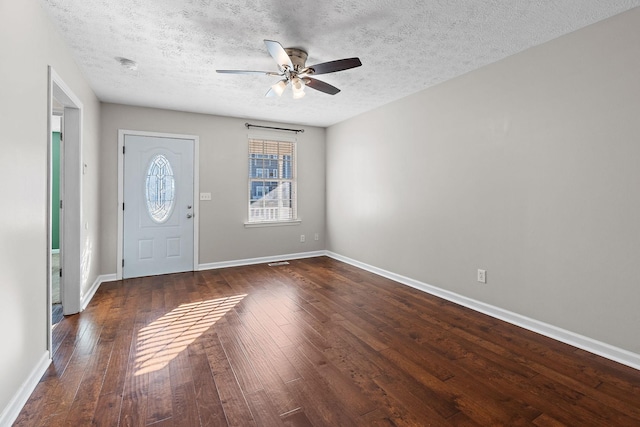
249, 125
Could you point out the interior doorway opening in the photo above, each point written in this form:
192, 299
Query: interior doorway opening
63, 103
57, 149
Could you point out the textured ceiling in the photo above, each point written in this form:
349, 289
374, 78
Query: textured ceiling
405, 46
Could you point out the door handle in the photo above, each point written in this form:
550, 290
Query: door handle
189, 215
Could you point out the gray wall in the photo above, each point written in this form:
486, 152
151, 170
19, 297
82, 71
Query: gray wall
28, 44
528, 168
223, 173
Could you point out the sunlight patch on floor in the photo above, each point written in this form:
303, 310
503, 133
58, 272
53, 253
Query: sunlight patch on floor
166, 337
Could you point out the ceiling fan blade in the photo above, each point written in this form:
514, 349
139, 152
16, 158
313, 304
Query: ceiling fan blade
321, 86
338, 65
265, 73
278, 53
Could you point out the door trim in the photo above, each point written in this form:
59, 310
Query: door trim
71, 179
196, 192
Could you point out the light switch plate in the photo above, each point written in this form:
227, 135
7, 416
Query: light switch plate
482, 276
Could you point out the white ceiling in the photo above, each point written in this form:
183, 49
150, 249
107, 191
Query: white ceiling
405, 46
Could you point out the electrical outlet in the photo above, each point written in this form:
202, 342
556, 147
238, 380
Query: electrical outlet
482, 276
316, 237
302, 238
205, 196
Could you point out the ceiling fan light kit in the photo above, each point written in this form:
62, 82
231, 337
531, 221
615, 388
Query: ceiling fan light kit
292, 67
279, 87
297, 84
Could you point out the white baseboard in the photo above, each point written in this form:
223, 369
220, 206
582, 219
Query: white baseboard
12, 410
261, 260
86, 298
605, 350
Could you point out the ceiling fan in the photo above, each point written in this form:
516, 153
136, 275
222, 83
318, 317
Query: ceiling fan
292, 69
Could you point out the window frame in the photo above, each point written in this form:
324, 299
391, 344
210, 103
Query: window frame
267, 170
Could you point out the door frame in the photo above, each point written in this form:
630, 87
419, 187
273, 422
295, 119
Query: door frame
58, 112
196, 191
71, 187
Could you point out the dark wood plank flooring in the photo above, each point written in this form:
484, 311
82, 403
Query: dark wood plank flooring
313, 343
56, 314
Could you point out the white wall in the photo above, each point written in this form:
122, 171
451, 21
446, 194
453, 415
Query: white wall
528, 168
28, 44
223, 173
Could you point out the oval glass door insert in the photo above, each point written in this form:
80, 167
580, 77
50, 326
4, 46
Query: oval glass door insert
160, 189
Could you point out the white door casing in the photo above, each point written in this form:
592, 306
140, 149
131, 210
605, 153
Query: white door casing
159, 206
72, 261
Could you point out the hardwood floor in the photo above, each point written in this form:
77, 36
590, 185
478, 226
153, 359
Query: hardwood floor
56, 314
313, 343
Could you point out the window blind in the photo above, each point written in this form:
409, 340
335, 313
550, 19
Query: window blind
272, 181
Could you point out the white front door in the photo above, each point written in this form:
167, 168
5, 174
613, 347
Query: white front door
158, 223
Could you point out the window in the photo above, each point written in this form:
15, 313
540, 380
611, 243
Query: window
272, 181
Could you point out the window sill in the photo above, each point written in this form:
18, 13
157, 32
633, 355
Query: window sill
272, 223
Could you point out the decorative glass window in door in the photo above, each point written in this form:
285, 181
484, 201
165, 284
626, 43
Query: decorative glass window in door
160, 189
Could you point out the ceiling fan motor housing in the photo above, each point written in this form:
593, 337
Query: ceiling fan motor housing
298, 57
